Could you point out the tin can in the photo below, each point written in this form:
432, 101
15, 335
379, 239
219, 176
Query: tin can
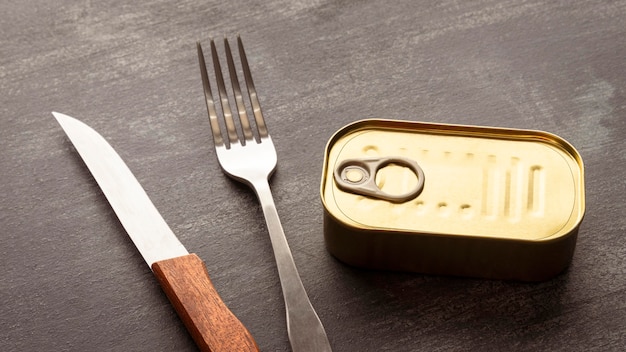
452, 200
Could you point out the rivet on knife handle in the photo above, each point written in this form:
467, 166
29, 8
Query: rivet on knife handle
213, 327
183, 276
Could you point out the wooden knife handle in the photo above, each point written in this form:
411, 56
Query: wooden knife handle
212, 325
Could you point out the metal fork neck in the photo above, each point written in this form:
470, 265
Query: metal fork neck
305, 329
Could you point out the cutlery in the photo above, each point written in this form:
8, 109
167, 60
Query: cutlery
252, 160
183, 276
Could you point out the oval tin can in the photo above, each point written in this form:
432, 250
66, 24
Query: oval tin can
452, 200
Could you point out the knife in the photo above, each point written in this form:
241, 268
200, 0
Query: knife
183, 276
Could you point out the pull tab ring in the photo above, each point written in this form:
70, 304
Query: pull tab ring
359, 176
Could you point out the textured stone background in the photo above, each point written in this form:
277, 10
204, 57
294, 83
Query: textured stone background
72, 280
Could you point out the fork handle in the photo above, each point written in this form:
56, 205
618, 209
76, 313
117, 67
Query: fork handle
306, 332
212, 325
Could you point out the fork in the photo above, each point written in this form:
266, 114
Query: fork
252, 160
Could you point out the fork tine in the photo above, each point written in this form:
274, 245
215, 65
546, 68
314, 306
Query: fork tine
221, 87
208, 97
254, 100
243, 115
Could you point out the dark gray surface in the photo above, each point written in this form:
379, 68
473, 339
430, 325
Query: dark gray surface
72, 280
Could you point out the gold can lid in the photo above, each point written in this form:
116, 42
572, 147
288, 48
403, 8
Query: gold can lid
477, 181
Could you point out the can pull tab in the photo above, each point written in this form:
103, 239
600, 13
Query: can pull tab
359, 176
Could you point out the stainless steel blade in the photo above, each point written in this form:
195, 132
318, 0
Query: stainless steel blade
145, 226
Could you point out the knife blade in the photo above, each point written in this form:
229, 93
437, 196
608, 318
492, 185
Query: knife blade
183, 276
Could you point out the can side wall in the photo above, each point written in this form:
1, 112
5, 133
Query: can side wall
449, 255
